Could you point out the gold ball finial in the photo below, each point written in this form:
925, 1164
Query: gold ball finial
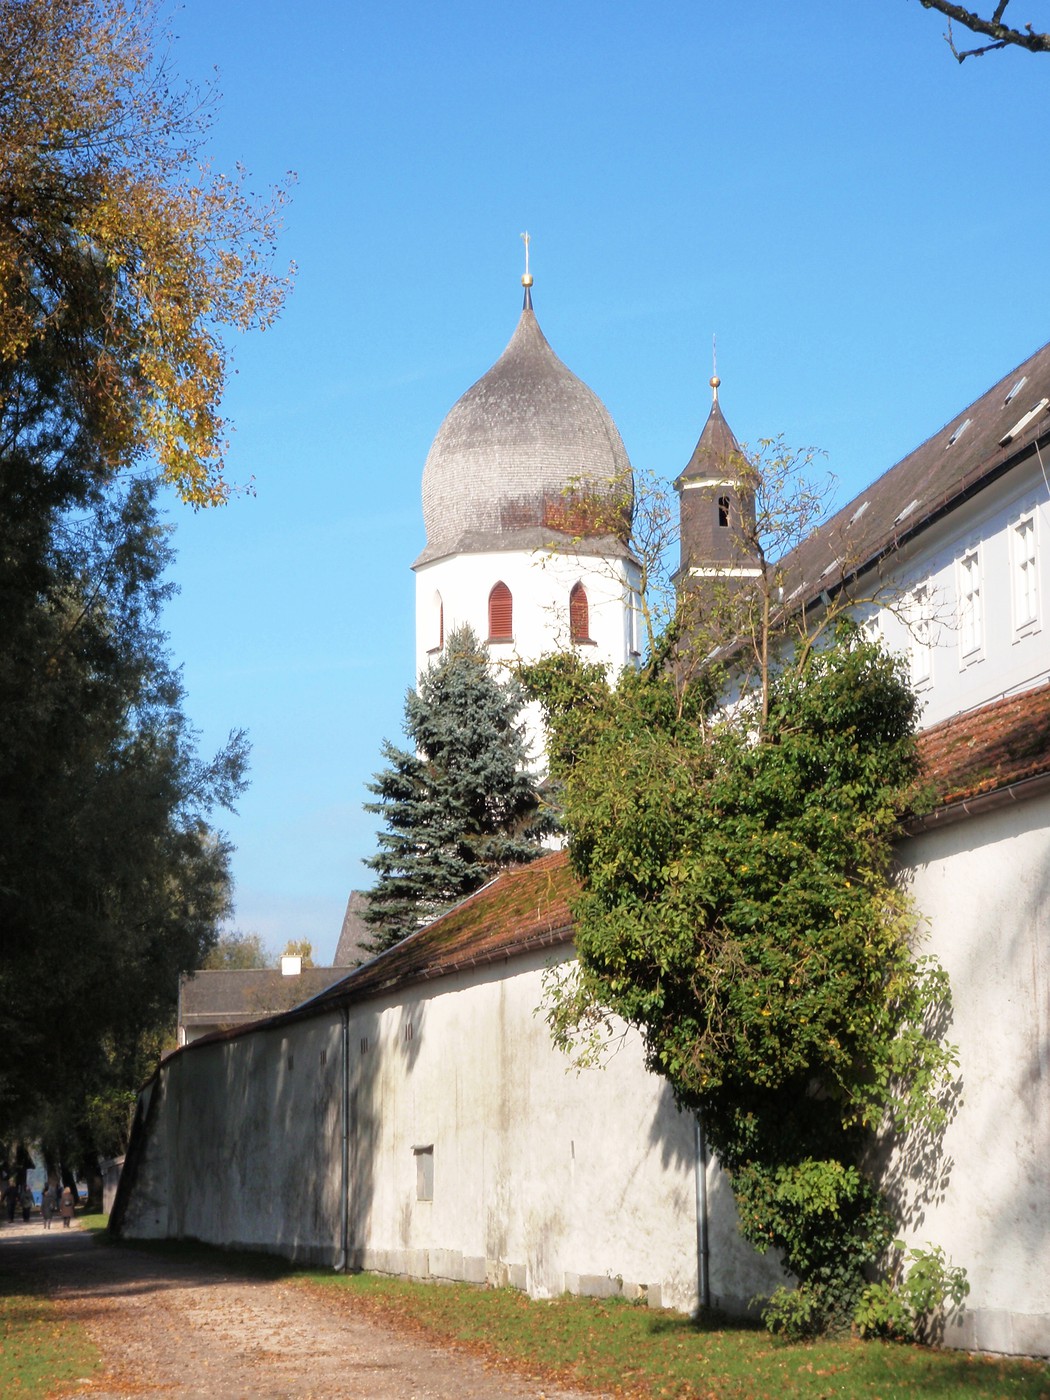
715, 381
526, 280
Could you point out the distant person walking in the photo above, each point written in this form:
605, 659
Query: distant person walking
65, 1208
47, 1205
27, 1203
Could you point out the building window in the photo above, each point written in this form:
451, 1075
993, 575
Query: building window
424, 1172
723, 512
501, 614
1025, 575
971, 619
634, 623
579, 614
437, 623
920, 626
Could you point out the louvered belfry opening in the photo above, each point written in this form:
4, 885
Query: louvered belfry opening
723, 512
579, 614
501, 614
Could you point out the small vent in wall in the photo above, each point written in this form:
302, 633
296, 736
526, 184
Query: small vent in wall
324, 1056
408, 1030
291, 1063
364, 1045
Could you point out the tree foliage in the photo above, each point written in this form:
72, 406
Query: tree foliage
123, 257
111, 879
237, 952
460, 804
990, 26
739, 908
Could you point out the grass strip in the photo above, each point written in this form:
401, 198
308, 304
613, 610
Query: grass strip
40, 1350
616, 1346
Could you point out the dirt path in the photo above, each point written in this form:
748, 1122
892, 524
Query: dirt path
191, 1331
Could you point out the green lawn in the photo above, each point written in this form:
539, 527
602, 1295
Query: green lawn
608, 1344
39, 1350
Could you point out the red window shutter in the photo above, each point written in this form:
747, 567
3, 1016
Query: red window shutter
579, 615
501, 614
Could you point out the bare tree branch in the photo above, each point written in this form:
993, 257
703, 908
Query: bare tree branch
1002, 35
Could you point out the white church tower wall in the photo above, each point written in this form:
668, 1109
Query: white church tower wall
527, 499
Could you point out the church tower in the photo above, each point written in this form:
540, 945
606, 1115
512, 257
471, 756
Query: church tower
716, 511
527, 500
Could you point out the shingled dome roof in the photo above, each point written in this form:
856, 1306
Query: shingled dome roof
527, 457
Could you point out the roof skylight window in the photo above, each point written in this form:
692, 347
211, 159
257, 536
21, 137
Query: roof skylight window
858, 513
906, 511
1016, 389
1023, 423
958, 432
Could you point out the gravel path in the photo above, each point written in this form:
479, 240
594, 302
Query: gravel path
192, 1331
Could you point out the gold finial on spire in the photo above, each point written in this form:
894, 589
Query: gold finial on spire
526, 281
714, 380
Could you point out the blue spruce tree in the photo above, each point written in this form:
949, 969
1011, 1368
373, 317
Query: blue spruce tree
460, 804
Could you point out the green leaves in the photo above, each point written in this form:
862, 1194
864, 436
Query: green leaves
460, 803
739, 907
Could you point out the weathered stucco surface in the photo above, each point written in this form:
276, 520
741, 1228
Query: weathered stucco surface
983, 1193
550, 1180
542, 1178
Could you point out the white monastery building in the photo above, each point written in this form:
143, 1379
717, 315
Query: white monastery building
414, 1118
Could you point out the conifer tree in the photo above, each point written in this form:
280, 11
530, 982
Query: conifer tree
460, 803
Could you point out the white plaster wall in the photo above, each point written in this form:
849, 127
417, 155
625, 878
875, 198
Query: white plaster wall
1010, 659
984, 884
540, 583
543, 1178
242, 1143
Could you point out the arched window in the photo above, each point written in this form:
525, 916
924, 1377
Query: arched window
723, 512
501, 614
579, 614
438, 622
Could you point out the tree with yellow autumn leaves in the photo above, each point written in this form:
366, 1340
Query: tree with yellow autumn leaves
124, 258
125, 263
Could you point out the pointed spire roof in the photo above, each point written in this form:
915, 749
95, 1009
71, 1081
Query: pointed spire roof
716, 447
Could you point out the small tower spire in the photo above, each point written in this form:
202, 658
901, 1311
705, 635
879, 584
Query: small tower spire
714, 380
526, 280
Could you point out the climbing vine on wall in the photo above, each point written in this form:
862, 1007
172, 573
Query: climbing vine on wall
739, 907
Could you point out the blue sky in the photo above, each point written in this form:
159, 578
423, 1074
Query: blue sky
861, 221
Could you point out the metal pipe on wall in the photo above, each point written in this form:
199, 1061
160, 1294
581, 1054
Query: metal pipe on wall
703, 1272
344, 1168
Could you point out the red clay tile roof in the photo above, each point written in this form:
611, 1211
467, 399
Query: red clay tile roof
986, 750
523, 908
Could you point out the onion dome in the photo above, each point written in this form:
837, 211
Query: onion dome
528, 458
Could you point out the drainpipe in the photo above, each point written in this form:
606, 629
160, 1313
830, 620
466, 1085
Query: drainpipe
703, 1272
344, 1166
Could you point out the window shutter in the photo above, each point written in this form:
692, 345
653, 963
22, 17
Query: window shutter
501, 614
579, 614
